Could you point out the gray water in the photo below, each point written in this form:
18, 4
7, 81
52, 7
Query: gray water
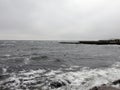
17, 57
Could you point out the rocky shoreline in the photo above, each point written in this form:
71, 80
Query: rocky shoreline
108, 87
104, 88
57, 84
99, 42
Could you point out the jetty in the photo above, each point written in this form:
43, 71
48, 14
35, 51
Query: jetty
99, 42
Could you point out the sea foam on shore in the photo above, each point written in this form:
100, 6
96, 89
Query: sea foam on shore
84, 79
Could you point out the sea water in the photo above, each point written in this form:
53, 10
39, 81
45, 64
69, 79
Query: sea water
49, 65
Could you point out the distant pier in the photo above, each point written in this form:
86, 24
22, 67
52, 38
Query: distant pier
99, 42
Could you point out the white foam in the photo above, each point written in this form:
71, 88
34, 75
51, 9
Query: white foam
4, 70
84, 79
53, 73
27, 60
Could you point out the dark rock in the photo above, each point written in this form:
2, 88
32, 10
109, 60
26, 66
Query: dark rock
94, 88
116, 82
107, 88
68, 82
57, 84
104, 87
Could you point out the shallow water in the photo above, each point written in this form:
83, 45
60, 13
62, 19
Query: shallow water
37, 65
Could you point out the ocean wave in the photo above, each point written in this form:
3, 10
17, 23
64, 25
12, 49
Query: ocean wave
82, 79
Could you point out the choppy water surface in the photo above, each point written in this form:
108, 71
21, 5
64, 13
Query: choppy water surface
49, 65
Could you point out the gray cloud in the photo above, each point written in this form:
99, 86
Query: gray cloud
59, 19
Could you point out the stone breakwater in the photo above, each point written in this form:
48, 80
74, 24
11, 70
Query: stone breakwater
99, 42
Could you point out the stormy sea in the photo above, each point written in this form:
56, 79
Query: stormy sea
49, 65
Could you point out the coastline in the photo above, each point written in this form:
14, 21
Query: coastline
99, 42
104, 88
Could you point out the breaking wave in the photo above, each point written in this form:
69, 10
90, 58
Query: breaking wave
82, 79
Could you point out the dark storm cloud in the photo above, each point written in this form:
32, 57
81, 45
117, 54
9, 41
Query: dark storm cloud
59, 19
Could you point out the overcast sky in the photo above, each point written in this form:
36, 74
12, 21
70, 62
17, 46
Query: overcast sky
59, 19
